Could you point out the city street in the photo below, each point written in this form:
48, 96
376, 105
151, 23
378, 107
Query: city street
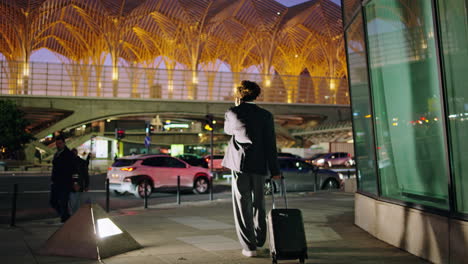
33, 195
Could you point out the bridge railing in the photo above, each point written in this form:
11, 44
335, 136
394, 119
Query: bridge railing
53, 79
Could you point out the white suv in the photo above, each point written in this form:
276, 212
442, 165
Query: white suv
132, 173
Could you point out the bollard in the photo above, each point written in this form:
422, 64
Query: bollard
107, 195
349, 174
146, 195
282, 187
13, 205
315, 179
210, 182
178, 189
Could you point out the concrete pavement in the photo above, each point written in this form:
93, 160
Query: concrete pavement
203, 232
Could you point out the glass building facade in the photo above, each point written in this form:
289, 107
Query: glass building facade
409, 93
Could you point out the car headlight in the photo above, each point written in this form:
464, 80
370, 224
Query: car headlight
321, 161
341, 176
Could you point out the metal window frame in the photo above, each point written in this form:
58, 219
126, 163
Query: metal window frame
371, 97
454, 213
451, 212
352, 20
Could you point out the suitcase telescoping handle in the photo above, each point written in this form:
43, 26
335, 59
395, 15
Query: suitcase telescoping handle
283, 189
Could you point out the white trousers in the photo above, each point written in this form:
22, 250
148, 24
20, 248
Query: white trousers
249, 209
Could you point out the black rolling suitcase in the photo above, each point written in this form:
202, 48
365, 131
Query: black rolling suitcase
286, 230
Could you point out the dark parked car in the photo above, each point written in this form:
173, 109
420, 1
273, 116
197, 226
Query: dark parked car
313, 157
193, 160
217, 160
288, 155
334, 159
302, 176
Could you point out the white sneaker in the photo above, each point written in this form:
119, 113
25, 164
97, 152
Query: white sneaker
249, 253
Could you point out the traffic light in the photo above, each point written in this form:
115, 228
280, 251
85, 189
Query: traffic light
149, 129
119, 133
209, 122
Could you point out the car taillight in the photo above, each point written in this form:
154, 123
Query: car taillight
110, 168
349, 155
207, 160
128, 169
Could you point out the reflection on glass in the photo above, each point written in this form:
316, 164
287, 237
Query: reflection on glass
406, 100
453, 21
349, 8
363, 135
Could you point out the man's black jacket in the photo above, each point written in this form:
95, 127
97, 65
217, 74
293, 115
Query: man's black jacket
63, 167
83, 175
260, 156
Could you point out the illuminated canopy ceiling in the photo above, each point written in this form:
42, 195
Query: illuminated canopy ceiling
198, 34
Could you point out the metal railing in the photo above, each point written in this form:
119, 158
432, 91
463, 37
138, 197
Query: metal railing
53, 79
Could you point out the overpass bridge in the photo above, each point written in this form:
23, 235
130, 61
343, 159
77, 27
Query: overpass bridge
83, 110
55, 97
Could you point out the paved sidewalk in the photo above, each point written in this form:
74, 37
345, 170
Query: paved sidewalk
203, 232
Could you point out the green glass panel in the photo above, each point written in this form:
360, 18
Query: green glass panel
407, 102
454, 36
363, 135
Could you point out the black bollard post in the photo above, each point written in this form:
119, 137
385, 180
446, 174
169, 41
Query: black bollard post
107, 194
282, 186
315, 183
146, 195
315, 178
210, 182
178, 189
13, 205
349, 174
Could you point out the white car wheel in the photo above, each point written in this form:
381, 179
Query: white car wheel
140, 189
201, 185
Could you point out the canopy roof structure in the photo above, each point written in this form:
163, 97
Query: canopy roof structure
198, 34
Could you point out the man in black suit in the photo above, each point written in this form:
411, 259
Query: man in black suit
251, 155
80, 182
63, 168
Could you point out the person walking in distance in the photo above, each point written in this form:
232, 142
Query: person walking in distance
252, 156
80, 182
63, 167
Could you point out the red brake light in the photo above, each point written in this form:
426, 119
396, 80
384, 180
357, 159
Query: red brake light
110, 168
128, 169
349, 155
